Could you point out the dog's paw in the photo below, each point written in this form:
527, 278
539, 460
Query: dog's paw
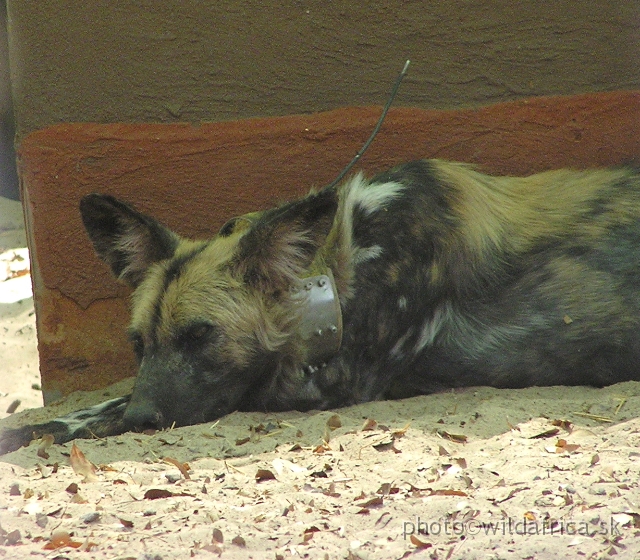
101, 420
15, 438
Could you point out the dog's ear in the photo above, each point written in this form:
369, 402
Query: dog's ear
283, 242
128, 241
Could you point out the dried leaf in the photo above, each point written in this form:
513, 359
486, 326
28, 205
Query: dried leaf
511, 494
217, 536
60, 539
383, 444
322, 448
126, 522
182, 467
81, 465
418, 543
46, 441
446, 492
166, 440
334, 422
457, 438
331, 491
546, 434
594, 460
13, 406
384, 519
87, 546
369, 424
564, 424
442, 451
264, 474
157, 493
402, 431
307, 535
467, 480
376, 501
461, 462
563, 447
78, 499
262, 429
45, 471
238, 541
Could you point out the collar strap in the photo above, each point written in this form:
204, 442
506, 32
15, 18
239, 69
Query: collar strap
320, 326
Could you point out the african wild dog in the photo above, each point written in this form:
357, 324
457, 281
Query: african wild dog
429, 276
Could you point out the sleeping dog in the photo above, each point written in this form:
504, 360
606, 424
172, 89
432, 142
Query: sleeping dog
429, 276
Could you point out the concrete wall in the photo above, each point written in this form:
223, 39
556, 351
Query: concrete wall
195, 60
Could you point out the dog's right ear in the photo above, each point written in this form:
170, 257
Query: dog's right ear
128, 241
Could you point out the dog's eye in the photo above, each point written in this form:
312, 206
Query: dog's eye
198, 333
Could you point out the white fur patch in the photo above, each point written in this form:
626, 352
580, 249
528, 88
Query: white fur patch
370, 197
366, 253
472, 336
397, 350
358, 193
431, 328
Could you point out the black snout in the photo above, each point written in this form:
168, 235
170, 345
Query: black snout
141, 417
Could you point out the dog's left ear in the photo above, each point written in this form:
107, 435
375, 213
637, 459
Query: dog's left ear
127, 240
283, 242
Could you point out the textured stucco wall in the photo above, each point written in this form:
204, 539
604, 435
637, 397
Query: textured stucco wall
195, 60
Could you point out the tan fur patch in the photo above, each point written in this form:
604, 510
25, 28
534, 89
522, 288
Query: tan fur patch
513, 213
207, 290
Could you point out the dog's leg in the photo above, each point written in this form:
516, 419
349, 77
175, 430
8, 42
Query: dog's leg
101, 420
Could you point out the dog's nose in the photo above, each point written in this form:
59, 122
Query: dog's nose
138, 418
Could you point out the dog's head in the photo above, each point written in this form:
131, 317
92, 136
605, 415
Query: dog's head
211, 320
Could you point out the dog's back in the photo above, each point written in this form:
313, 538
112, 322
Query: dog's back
509, 282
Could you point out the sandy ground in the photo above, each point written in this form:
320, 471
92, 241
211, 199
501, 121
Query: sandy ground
481, 473
18, 347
